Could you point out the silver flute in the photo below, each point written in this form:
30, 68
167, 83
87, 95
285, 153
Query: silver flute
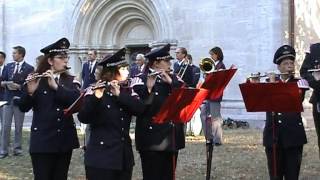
43, 75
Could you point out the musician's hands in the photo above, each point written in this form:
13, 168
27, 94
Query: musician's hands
271, 76
115, 88
51, 81
165, 76
32, 84
254, 80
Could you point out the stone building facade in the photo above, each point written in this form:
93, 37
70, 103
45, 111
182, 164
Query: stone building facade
249, 31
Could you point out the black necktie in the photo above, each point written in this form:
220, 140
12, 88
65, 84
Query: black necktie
90, 67
17, 68
57, 80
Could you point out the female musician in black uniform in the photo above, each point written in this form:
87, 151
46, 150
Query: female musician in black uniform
53, 136
158, 144
290, 135
108, 110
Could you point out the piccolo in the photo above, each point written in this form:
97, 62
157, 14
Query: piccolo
156, 73
43, 75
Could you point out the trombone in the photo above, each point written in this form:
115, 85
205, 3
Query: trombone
183, 68
207, 65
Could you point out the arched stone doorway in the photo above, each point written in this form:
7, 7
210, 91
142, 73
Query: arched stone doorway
108, 25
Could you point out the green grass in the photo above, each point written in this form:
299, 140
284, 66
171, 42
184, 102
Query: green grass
241, 157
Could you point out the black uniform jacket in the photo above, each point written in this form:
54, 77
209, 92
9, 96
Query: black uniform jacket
289, 127
109, 117
151, 136
51, 132
313, 83
187, 76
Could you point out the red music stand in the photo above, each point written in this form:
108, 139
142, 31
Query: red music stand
180, 106
217, 82
272, 97
75, 106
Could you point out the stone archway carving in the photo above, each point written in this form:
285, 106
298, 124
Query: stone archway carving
107, 25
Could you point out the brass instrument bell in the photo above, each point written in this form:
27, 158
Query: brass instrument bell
207, 65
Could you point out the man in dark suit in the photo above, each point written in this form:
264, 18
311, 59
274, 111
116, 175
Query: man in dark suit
137, 67
88, 69
195, 71
88, 77
14, 75
2, 60
191, 127
182, 67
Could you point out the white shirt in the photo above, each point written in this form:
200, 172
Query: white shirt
216, 62
91, 65
20, 65
1, 69
141, 67
182, 61
57, 75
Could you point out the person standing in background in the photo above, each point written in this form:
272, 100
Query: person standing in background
210, 111
88, 78
15, 73
138, 66
182, 67
88, 69
2, 60
193, 127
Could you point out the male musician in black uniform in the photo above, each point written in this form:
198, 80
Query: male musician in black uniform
312, 61
53, 136
183, 68
158, 144
290, 135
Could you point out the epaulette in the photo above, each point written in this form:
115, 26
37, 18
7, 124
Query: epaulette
136, 81
303, 84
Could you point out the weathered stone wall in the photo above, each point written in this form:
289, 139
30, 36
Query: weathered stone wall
249, 31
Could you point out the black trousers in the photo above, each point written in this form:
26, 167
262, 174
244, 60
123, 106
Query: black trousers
158, 165
51, 166
288, 162
93, 173
316, 118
